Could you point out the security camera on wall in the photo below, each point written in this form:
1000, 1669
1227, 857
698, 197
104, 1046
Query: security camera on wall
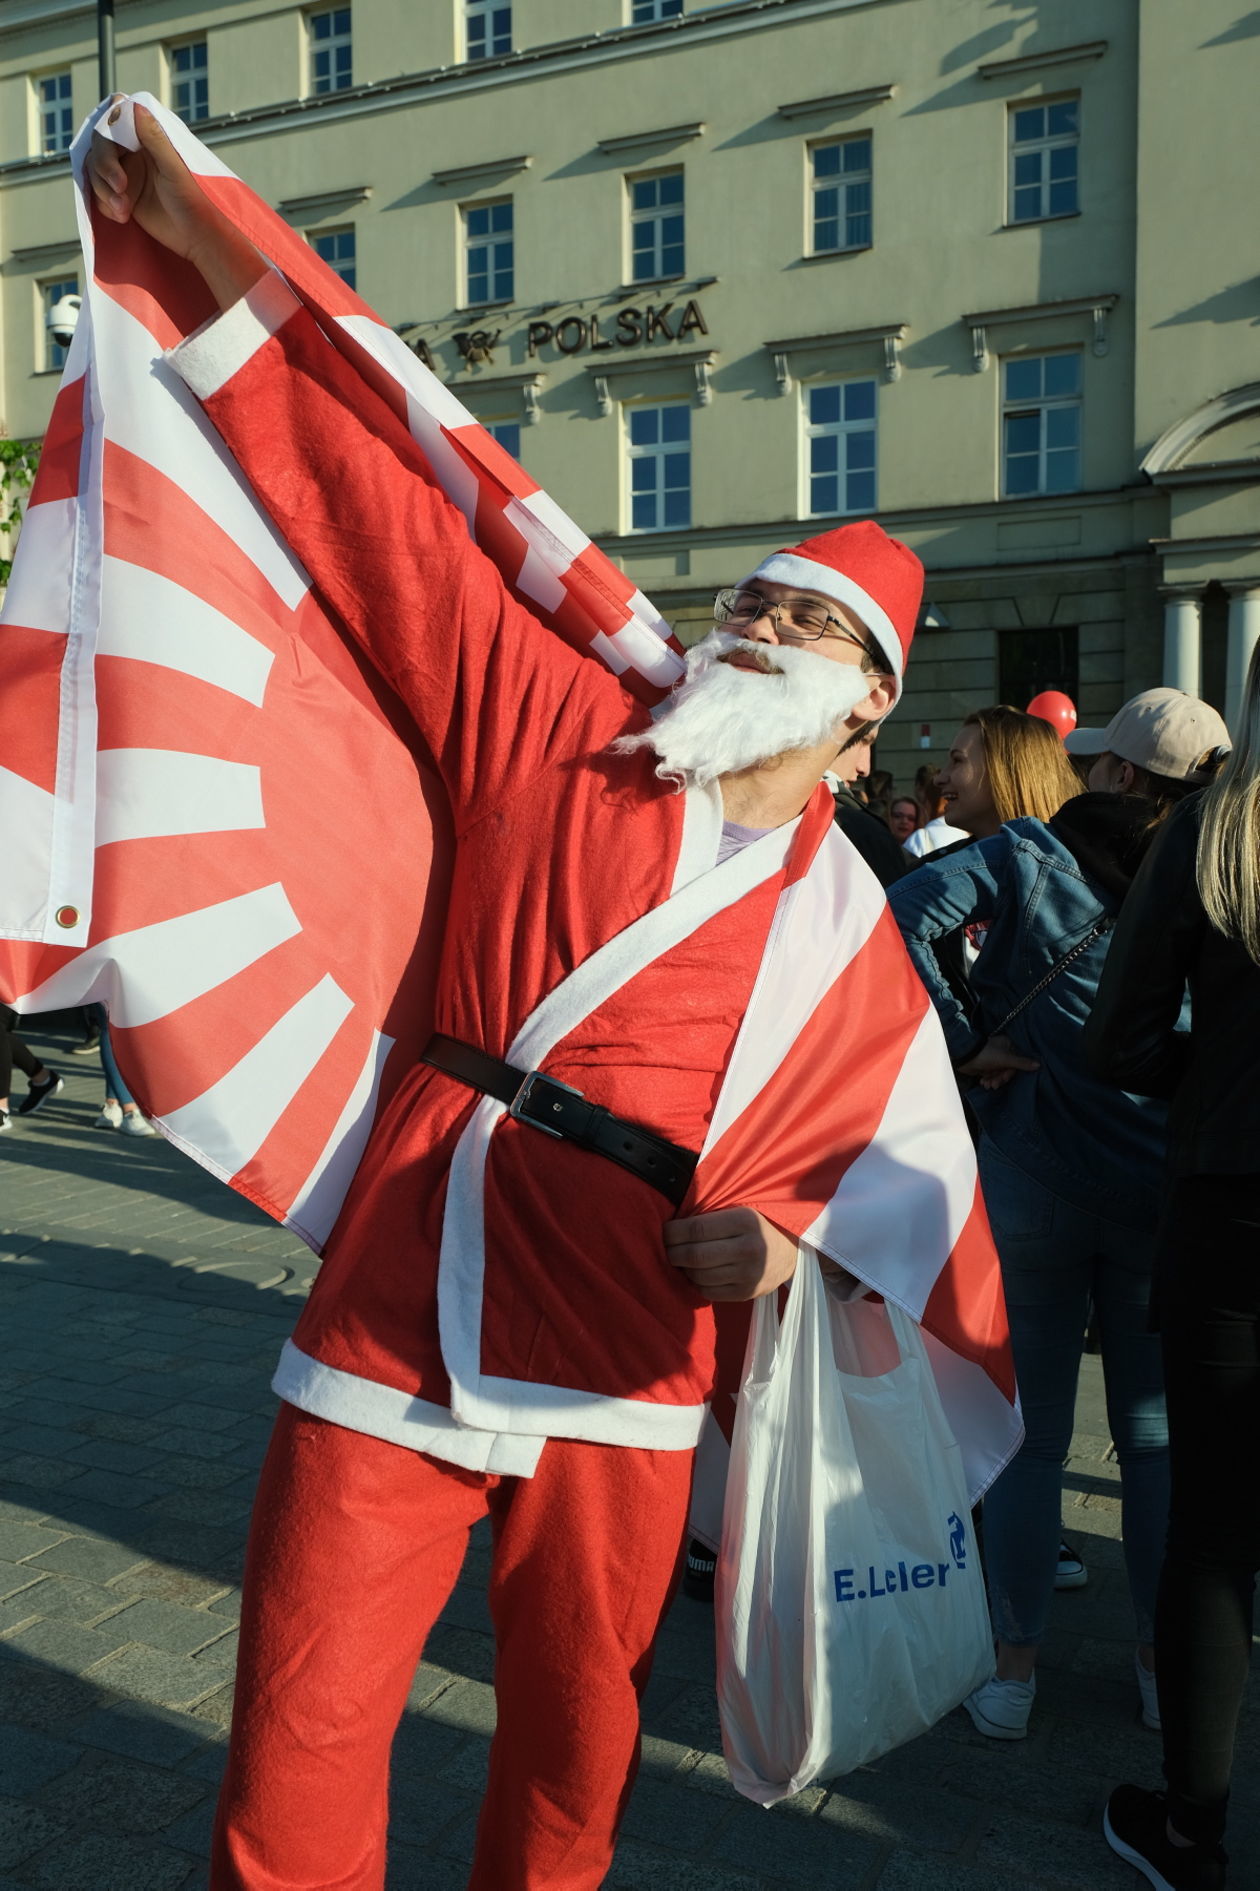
62, 317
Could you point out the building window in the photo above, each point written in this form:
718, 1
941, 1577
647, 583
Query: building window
840, 446
51, 293
1041, 424
648, 12
508, 435
659, 445
1032, 660
487, 29
656, 226
189, 78
1045, 142
336, 248
489, 260
56, 113
841, 190
330, 49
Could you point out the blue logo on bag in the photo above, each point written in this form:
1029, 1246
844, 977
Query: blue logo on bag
904, 1578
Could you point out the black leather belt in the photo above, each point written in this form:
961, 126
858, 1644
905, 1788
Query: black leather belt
559, 1110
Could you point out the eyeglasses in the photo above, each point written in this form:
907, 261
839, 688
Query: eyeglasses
800, 619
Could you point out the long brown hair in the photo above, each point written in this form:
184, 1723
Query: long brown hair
1028, 771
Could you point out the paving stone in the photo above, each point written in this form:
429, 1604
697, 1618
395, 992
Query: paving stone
89, 1557
110, 1454
89, 1863
638, 1868
45, 1698
115, 1795
70, 1599
163, 1583
165, 1625
159, 1735
29, 1760
16, 1576
149, 1674
24, 1830
67, 1646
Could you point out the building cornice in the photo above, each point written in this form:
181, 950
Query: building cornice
461, 175
1098, 307
624, 42
1177, 440
323, 203
632, 141
699, 360
1036, 62
890, 334
42, 254
837, 102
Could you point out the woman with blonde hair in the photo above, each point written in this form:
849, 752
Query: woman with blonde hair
1193, 919
1002, 764
1070, 1167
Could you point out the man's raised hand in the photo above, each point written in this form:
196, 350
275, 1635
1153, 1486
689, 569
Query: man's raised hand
732, 1254
155, 188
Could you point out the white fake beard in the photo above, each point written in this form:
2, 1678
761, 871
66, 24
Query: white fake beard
721, 719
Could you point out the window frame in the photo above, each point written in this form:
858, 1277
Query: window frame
493, 269
1011, 409
1044, 146
815, 185
655, 214
60, 109
651, 12
635, 452
334, 233
314, 48
174, 79
842, 430
50, 353
484, 11
495, 427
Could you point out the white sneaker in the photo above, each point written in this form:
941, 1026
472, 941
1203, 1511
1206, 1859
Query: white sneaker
6, 1121
111, 1115
1149, 1693
133, 1124
1000, 1709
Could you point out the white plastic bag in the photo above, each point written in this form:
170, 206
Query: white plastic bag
850, 1602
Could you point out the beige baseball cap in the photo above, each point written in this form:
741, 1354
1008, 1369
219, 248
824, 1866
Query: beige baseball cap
1163, 730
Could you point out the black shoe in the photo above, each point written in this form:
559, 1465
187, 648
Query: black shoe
700, 1570
1135, 1826
39, 1094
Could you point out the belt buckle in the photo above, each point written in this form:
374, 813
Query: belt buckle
517, 1107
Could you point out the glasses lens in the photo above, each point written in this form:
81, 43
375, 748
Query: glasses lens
737, 607
809, 619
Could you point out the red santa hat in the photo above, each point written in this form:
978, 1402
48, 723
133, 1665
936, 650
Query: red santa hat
876, 577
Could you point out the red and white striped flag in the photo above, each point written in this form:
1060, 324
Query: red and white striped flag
167, 673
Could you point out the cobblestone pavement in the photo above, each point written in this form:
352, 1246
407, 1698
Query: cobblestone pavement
143, 1307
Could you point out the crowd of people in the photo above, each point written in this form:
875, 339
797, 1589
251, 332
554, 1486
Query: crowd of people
1085, 915
525, 1326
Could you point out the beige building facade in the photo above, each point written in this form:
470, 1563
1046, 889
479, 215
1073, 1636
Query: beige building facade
724, 276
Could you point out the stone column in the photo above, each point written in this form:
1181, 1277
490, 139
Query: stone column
1183, 604
1243, 636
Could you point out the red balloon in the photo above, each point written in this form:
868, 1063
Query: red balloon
1055, 708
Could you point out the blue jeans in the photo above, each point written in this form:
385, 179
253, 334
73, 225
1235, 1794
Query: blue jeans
1057, 1261
114, 1085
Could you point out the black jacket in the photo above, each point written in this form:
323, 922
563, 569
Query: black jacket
1163, 942
876, 844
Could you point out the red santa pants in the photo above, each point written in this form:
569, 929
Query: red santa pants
354, 1549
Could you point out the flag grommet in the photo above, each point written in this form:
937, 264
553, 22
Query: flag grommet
67, 916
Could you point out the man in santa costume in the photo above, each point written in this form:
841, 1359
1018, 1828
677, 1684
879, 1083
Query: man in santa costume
513, 1317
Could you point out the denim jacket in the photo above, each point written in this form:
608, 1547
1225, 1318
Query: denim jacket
1098, 1147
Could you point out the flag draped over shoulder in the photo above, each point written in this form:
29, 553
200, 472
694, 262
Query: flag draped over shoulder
216, 818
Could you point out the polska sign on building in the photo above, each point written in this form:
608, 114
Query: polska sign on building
630, 327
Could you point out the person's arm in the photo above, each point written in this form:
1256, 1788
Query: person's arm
1131, 1037
495, 697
